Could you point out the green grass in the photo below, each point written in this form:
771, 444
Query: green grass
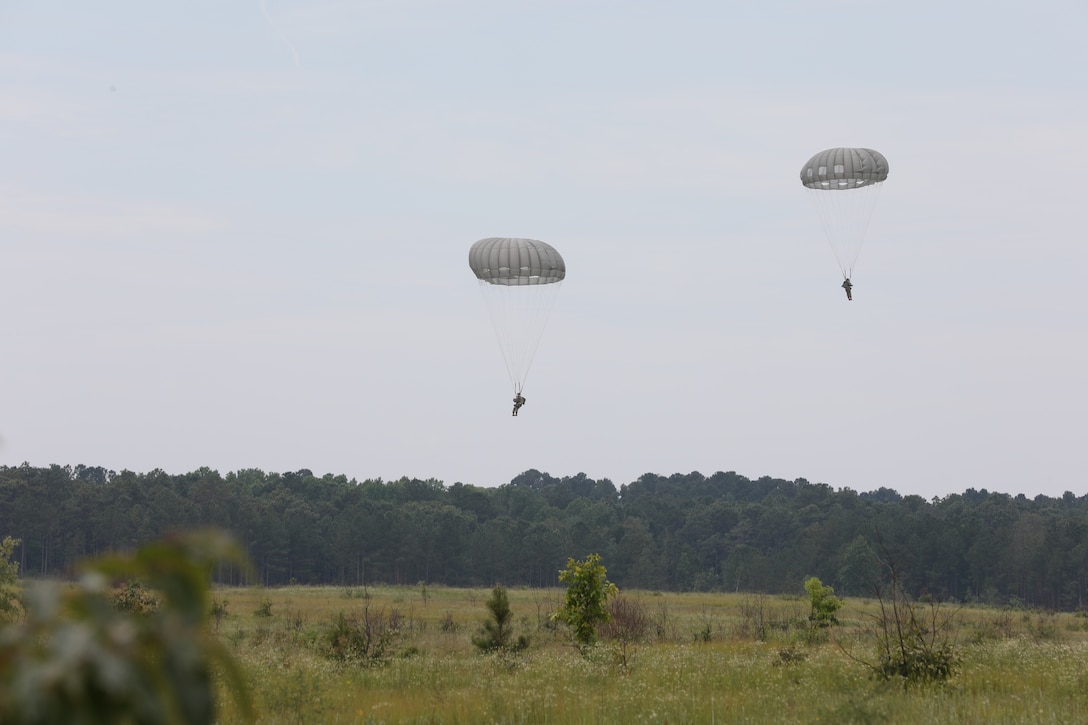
701, 663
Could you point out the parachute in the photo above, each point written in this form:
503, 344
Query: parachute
520, 279
844, 185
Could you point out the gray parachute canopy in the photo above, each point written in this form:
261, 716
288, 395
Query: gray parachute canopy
520, 279
844, 168
516, 262
845, 217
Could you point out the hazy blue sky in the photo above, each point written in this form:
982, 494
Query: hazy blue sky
235, 234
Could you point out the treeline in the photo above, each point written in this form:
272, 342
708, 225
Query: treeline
674, 533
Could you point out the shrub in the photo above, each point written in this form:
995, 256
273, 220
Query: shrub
264, 609
133, 598
918, 662
1041, 626
627, 625
914, 642
363, 639
790, 655
753, 616
449, 625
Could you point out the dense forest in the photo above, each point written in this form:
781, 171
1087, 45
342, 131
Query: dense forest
674, 533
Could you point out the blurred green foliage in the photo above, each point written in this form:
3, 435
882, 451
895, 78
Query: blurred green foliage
76, 656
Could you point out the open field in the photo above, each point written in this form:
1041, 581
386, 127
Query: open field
702, 661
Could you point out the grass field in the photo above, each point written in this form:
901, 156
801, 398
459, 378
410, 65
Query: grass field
702, 661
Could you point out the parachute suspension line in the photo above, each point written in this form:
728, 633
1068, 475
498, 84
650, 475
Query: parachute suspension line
844, 185
519, 314
275, 28
519, 280
844, 216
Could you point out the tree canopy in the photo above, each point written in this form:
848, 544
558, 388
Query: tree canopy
672, 533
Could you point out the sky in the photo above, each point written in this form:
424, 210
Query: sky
235, 233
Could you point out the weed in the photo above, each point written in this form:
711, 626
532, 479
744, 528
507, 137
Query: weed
790, 655
753, 616
448, 625
1041, 626
264, 609
219, 611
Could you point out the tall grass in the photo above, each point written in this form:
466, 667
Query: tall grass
702, 663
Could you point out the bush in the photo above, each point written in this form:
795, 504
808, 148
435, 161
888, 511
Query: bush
627, 625
753, 615
1041, 626
133, 598
362, 639
264, 609
914, 642
449, 625
918, 662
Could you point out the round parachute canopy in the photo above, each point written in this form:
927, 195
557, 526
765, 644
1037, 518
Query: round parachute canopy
520, 279
858, 172
842, 169
516, 262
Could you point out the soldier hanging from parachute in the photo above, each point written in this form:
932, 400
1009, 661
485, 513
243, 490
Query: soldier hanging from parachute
520, 279
844, 184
